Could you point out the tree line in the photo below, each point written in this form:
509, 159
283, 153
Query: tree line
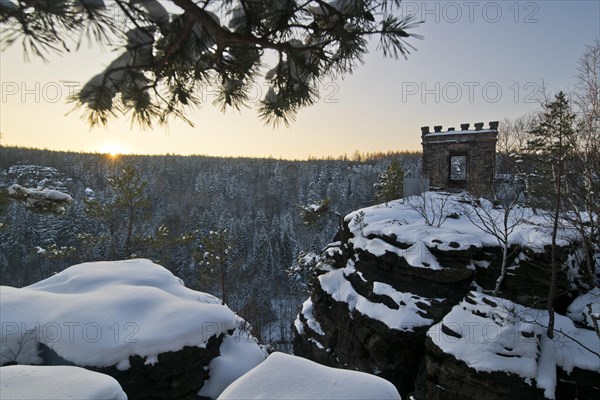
229, 226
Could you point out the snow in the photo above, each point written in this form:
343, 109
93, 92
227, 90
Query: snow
28, 169
465, 132
579, 310
282, 376
40, 250
35, 195
298, 325
417, 255
316, 342
405, 318
399, 297
239, 353
57, 383
98, 314
307, 309
402, 220
496, 335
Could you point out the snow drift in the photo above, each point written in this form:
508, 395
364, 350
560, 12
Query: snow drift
114, 314
282, 376
57, 383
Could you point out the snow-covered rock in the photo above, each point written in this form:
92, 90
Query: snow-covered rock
57, 383
405, 220
491, 345
238, 354
43, 199
585, 310
282, 376
398, 268
131, 319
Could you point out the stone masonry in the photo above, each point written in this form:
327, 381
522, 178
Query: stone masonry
460, 160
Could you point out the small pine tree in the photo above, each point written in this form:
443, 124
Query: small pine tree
313, 212
552, 145
216, 259
391, 183
130, 201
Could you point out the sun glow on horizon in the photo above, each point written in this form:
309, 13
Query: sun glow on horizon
113, 149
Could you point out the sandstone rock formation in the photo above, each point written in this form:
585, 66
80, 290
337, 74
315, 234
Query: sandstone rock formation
132, 320
377, 293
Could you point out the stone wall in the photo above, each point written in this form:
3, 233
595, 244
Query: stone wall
478, 146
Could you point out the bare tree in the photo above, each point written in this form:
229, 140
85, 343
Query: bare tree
582, 180
500, 222
11, 355
587, 94
431, 206
130, 201
515, 133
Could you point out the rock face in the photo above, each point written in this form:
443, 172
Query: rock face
174, 375
447, 378
373, 316
378, 291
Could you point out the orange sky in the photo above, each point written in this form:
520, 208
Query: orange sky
468, 69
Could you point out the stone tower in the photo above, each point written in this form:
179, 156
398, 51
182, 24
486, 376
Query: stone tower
460, 160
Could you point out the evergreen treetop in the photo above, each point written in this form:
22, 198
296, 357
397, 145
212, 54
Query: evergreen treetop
172, 49
391, 183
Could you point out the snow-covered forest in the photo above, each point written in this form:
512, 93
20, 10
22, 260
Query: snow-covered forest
253, 205
468, 271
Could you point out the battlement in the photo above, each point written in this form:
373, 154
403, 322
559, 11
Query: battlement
464, 129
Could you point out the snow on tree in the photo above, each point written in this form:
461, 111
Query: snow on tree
214, 259
172, 48
300, 272
311, 213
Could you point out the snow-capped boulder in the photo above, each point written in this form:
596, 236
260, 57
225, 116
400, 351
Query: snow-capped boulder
131, 319
43, 199
57, 383
398, 268
491, 347
585, 309
283, 376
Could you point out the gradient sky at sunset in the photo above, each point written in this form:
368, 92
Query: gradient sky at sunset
479, 61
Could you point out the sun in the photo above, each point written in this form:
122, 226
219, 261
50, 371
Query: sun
113, 149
